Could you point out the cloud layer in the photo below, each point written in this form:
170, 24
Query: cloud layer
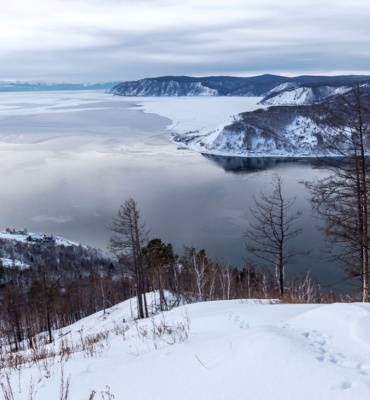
100, 40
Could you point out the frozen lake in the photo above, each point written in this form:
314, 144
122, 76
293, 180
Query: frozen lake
69, 159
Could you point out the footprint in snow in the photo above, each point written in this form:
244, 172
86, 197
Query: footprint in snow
320, 343
237, 318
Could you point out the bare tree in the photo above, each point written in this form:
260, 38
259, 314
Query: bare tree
269, 234
227, 277
198, 266
342, 198
248, 274
128, 239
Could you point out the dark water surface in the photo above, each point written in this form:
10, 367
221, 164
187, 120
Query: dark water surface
67, 172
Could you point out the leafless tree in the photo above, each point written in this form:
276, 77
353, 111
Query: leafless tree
341, 200
227, 277
270, 232
200, 265
127, 242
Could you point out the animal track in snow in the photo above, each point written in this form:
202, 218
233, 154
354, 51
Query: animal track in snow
237, 318
321, 344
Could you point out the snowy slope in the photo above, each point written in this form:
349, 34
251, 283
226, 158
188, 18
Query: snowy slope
235, 350
302, 95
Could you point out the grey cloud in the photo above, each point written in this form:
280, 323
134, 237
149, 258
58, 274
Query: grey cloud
289, 41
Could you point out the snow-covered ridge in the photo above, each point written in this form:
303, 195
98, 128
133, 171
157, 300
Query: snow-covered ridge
303, 95
281, 88
27, 237
275, 132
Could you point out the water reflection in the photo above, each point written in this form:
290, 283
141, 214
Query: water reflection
248, 165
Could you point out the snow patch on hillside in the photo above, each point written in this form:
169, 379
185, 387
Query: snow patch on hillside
9, 263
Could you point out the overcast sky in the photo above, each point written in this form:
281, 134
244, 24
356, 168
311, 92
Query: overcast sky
104, 40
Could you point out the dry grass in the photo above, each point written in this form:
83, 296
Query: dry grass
49, 359
44, 355
65, 388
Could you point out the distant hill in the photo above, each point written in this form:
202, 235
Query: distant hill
302, 90
43, 86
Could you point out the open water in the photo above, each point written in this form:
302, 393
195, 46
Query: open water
69, 159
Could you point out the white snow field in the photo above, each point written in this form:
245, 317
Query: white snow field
235, 350
196, 114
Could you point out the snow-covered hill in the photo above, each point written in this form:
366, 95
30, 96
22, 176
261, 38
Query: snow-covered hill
23, 249
25, 236
232, 350
273, 132
13, 238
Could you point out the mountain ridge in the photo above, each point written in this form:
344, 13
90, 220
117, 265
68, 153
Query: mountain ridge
267, 85
35, 86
